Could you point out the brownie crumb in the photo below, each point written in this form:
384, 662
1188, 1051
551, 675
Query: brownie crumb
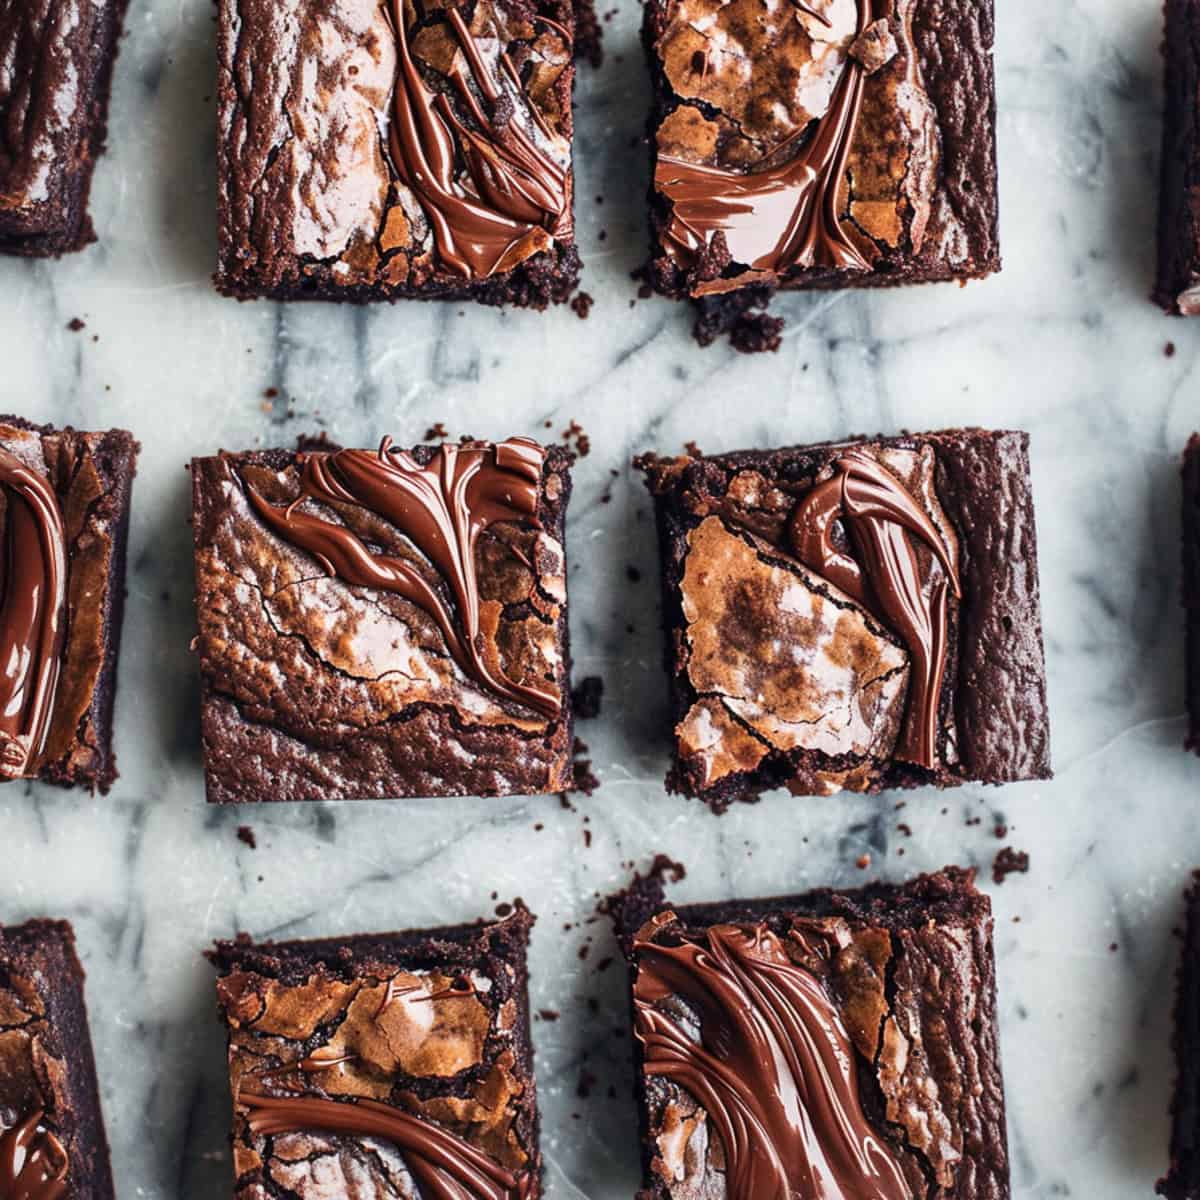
587, 696
436, 433
1008, 862
863, 862
587, 839
1001, 830
548, 1014
693, 451
75, 324
585, 782
743, 316
246, 834
575, 433
503, 909
1169, 350
271, 392
589, 34
904, 828
582, 305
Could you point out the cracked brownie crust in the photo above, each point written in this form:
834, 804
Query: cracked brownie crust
322, 681
90, 476
373, 150
49, 1100
898, 986
58, 57
391, 1065
856, 615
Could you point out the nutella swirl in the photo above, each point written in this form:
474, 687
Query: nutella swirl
442, 508
443, 1165
514, 198
884, 576
33, 614
33, 1162
782, 215
773, 1066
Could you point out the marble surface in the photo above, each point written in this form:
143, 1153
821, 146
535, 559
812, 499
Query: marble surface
1063, 343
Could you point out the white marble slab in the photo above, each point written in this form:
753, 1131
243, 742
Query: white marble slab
1062, 343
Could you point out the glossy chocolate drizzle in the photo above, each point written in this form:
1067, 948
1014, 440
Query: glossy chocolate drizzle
885, 577
443, 1166
778, 216
517, 192
33, 1162
442, 508
33, 614
774, 1067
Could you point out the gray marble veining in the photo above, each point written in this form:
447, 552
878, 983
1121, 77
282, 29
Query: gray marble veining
1062, 343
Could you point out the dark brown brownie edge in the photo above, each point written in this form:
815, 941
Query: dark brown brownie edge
218, 790
1182, 1182
1191, 586
998, 692
73, 229
117, 458
1179, 168
954, 41
47, 949
948, 896
477, 945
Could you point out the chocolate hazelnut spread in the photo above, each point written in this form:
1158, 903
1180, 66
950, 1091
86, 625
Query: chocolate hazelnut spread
33, 1162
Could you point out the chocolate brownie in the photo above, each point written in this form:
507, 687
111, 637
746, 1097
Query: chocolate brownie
52, 1142
64, 513
1177, 285
389, 1065
837, 143
831, 1043
855, 615
1191, 585
373, 151
57, 58
387, 623
1182, 1182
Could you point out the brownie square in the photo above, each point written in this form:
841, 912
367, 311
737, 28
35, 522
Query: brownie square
52, 1141
1182, 1181
839, 1043
855, 615
64, 513
388, 623
1191, 585
1177, 284
58, 57
831, 144
388, 1065
373, 151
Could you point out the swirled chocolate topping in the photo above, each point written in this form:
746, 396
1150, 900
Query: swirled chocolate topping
883, 575
33, 1162
517, 195
773, 1067
33, 614
442, 508
443, 1165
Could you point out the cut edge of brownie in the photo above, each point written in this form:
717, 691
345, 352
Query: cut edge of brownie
117, 453
551, 512
1182, 1181
982, 622
75, 231
47, 948
1190, 473
463, 946
947, 896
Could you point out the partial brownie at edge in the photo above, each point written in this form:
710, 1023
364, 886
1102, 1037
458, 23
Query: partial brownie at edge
383, 1065
1177, 285
390, 150
58, 57
65, 519
1182, 1181
1191, 585
845, 1035
857, 615
51, 1127
817, 148
385, 623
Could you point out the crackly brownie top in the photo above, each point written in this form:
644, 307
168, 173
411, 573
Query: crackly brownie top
387, 1071
339, 588
796, 135
398, 141
34, 1114
59, 517
817, 590
41, 89
840, 1048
